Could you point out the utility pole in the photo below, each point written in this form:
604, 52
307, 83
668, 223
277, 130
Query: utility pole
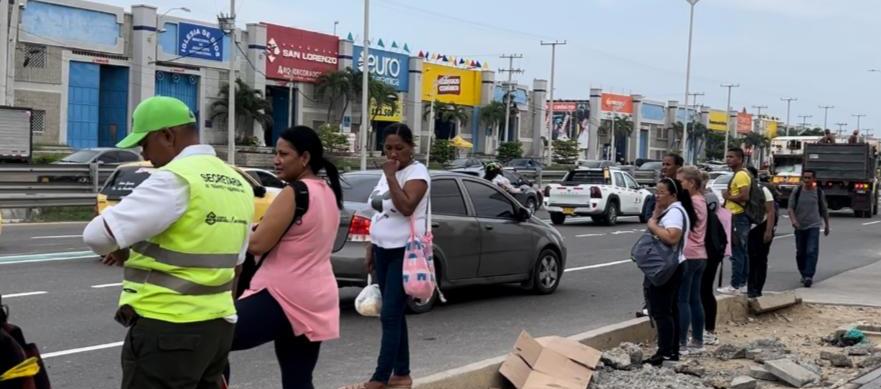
804, 121
510, 70
228, 25
759, 108
551, 104
728, 116
690, 119
826, 109
840, 127
688, 68
788, 101
858, 116
365, 93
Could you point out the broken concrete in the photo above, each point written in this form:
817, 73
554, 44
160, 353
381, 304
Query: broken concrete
617, 358
836, 359
772, 302
791, 372
761, 373
743, 382
691, 367
634, 351
870, 362
645, 377
861, 349
728, 352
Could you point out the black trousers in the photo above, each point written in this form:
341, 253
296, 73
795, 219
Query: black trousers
163, 355
261, 320
708, 297
758, 260
662, 308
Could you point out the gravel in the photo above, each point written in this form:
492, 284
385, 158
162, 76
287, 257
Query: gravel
646, 377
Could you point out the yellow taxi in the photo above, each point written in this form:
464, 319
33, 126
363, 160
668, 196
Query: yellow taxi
128, 176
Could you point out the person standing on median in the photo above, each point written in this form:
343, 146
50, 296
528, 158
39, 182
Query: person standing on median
807, 212
180, 236
760, 238
736, 197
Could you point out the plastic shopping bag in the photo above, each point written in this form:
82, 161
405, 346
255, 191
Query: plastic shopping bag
369, 301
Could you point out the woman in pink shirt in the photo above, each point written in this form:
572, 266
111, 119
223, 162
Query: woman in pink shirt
691, 310
293, 298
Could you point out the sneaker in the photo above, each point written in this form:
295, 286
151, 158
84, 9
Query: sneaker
642, 313
657, 360
729, 290
808, 282
684, 350
710, 339
742, 290
695, 348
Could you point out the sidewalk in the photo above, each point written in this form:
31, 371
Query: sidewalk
854, 287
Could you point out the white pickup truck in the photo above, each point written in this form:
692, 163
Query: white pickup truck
604, 194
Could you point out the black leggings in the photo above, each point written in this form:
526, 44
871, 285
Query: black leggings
663, 310
261, 320
708, 297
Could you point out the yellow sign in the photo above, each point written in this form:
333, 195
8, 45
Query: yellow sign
771, 129
450, 85
385, 113
718, 121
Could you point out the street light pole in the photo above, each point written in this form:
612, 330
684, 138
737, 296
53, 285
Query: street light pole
804, 121
826, 109
858, 116
365, 98
690, 119
728, 116
551, 104
228, 25
788, 101
688, 69
840, 127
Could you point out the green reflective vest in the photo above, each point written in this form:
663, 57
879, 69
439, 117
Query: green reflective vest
185, 274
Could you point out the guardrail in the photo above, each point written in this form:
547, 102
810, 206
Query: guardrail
47, 200
73, 178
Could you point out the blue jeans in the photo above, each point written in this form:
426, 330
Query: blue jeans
807, 247
691, 310
394, 352
739, 254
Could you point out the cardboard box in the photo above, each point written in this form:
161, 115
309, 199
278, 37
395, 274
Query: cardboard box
550, 362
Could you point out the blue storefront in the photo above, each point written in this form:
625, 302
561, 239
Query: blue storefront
390, 68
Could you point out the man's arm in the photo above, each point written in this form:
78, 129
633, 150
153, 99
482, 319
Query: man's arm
743, 190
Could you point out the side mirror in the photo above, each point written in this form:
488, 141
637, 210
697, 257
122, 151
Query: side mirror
259, 191
523, 214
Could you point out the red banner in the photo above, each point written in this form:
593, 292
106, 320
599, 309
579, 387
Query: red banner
616, 103
299, 55
744, 123
564, 106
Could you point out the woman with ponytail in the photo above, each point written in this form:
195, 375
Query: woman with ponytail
293, 298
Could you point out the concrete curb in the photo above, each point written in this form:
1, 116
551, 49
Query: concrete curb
485, 373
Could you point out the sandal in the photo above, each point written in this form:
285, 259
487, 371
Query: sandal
406, 383
363, 385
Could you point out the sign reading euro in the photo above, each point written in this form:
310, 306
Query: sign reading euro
388, 67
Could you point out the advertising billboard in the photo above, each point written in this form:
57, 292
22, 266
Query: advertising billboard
385, 114
450, 85
386, 66
744, 123
718, 120
299, 55
619, 104
653, 113
519, 95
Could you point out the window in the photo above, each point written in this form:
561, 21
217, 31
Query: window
631, 183
38, 121
619, 180
126, 156
661, 134
489, 202
109, 157
446, 198
358, 186
269, 180
34, 56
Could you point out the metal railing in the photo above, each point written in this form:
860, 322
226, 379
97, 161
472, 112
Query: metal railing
47, 200
36, 186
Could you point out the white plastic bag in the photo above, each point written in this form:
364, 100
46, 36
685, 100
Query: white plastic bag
369, 301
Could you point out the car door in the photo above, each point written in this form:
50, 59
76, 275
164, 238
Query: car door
507, 246
619, 188
634, 192
456, 233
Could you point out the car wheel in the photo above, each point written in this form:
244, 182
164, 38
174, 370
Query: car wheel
548, 271
82, 180
558, 218
416, 307
611, 216
531, 205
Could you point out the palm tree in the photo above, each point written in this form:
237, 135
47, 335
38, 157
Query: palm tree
454, 113
493, 115
333, 86
251, 105
757, 142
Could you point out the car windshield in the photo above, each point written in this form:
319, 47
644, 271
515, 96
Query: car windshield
794, 168
518, 162
357, 187
82, 156
587, 177
460, 163
125, 180
650, 166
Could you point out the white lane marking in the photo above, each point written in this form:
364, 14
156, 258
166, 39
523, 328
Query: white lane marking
874, 222
57, 237
783, 236
81, 350
25, 294
597, 266
588, 235
107, 285
28, 258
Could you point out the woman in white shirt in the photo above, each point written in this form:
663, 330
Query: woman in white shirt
670, 222
400, 194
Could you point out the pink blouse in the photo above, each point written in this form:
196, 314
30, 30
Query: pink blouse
695, 246
298, 272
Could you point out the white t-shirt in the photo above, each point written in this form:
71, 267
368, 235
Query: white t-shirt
389, 228
676, 219
504, 183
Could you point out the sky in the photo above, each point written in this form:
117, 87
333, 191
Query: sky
818, 51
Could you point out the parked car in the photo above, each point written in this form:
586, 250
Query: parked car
648, 173
525, 164
481, 236
603, 194
595, 164
720, 183
128, 176
265, 177
104, 156
464, 163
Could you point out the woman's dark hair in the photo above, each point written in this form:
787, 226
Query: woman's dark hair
304, 139
401, 130
490, 174
674, 186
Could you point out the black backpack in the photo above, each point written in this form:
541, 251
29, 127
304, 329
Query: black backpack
14, 352
715, 239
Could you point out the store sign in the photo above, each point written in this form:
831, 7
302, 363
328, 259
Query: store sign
451, 85
770, 129
391, 68
653, 113
744, 123
299, 55
200, 42
519, 95
386, 114
616, 103
718, 121
564, 106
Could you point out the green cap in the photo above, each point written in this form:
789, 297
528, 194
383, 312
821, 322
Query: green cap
154, 114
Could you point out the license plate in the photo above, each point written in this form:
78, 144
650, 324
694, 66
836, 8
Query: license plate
569, 211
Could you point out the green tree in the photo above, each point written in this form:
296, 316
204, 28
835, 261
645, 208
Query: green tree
251, 106
447, 113
335, 86
715, 145
623, 126
816, 131
758, 142
510, 150
332, 139
565, 151
492, 115
442, 151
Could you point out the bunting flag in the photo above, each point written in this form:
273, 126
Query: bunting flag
434, 57
477, 64
406, 49
445, 59
421, 55
486, 65
380, 44
394, 45
461, 61
350, 37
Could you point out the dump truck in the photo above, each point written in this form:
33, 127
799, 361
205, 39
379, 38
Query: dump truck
848, 175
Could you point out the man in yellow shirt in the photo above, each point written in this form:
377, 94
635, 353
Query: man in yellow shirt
736, 198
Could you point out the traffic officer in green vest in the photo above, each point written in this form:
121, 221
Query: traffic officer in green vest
180, 236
